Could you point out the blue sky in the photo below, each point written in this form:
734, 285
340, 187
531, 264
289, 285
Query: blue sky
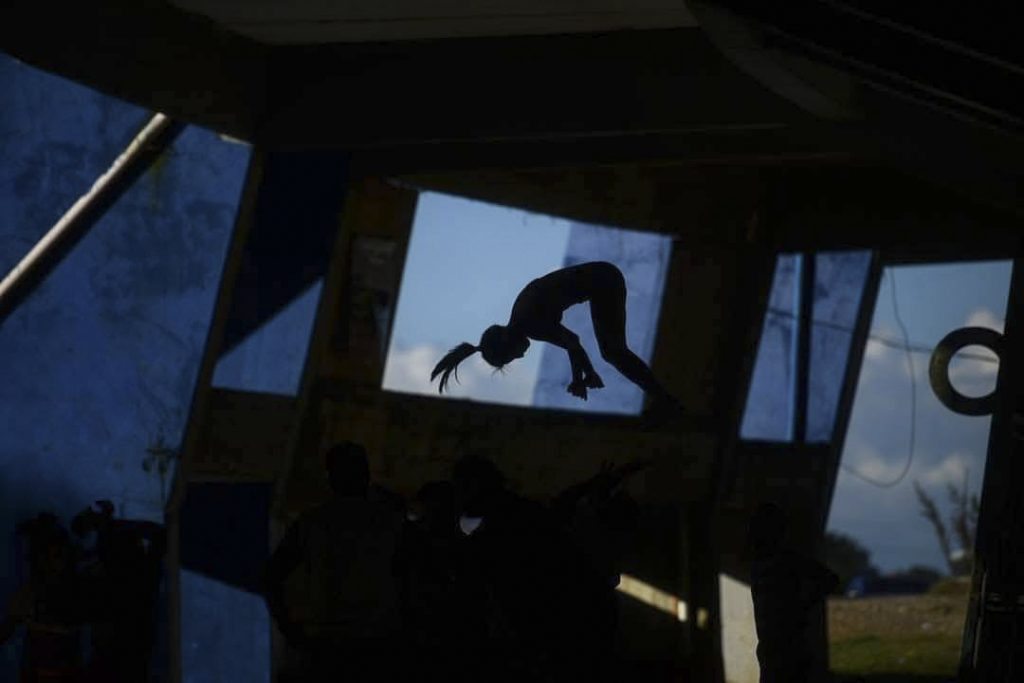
466, 263
933, 301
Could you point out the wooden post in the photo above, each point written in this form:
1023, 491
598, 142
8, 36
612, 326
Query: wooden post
200, 396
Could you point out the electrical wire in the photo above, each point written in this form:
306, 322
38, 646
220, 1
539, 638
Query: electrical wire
882, 339
909, 349
912, 440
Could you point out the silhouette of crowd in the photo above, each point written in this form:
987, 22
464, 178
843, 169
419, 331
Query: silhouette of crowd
88, 598
467, 581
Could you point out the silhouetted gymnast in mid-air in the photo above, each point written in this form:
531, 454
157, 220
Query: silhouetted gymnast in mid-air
537, 314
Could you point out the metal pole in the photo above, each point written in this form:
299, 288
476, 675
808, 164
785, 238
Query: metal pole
803, 347
150, 142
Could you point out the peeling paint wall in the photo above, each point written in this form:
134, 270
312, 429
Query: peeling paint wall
99, 363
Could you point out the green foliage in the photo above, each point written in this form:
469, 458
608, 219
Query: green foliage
914, 654
922, 573
846, 557
957, 585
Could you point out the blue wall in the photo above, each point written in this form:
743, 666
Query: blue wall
99, 363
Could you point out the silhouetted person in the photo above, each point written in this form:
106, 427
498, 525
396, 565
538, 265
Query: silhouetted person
600, 518
346, 551
537, 314
529, 581
787, 588
49, 605
438, 615
599, 514
124, 582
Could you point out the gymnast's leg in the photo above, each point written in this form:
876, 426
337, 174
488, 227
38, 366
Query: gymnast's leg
608, 313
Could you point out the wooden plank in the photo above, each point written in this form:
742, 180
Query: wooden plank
200, 397
244, 436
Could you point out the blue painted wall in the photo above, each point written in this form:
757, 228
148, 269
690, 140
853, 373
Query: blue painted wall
99, 363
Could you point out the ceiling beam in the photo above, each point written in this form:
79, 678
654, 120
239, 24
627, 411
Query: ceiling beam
500, 91
147, 53
513, 90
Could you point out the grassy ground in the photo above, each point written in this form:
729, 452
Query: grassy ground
907, 638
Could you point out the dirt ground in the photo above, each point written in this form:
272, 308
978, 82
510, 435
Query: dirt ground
940, 615
914, 635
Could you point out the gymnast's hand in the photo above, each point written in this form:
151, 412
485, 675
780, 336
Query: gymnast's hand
578, 388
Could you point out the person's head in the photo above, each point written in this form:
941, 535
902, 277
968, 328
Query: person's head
767, 529
499, 346
478, 483
93, 518
348, 469
50, 550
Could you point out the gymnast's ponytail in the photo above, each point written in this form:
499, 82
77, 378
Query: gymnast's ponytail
450, 364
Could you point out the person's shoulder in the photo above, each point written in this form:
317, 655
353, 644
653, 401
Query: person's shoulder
315, 515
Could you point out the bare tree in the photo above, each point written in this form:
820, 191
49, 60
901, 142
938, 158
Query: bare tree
963, 522
931, 512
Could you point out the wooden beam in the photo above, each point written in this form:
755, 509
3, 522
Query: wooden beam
148, 53
150, 142
704, 146
198, 408
512, 89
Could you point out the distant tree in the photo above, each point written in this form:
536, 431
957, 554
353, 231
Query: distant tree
846, 557
930, 511
963, 520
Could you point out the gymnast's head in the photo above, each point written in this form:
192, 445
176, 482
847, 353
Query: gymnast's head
499, 345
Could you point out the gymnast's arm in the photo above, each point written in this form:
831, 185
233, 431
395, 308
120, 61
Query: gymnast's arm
565, 338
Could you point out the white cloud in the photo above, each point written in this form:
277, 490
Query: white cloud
950, 470
984, 317
972, 376
870, 464
408, 370
886, 360
876, 350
